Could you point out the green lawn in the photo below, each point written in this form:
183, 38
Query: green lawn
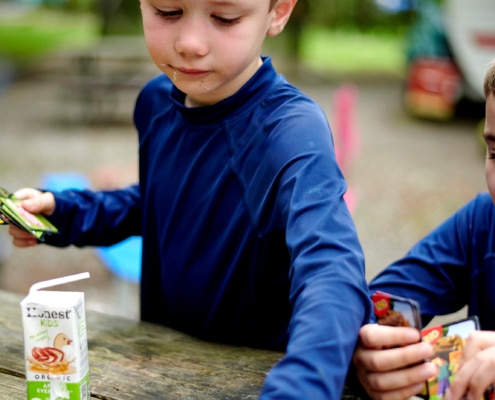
26, 37
346, 51
353, 52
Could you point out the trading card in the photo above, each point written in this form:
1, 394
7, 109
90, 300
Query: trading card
448, 340
15, 219
13, 208
7, 220
394, 310
12, 212
490, 393
4, 192
4, 219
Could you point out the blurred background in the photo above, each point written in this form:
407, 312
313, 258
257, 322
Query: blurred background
400, 81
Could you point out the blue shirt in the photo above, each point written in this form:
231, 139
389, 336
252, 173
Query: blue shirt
246, 236
453, 266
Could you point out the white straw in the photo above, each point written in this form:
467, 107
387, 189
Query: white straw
58, 281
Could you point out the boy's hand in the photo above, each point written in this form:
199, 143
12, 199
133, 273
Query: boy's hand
35, 202
477, 370
390, 361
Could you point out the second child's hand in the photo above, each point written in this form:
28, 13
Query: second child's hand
477, 371
390, 362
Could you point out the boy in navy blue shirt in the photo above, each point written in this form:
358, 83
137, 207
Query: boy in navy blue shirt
246, 235
452, 267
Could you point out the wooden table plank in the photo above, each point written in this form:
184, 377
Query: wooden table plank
154, 362
135, 360
12, 387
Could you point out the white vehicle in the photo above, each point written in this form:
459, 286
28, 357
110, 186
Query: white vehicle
449, 49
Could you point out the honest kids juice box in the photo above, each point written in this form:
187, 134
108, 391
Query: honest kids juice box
55, 342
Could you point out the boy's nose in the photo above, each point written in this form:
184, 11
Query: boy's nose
192, 39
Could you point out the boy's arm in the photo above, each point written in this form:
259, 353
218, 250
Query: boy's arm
95, 218
437, 272
329, 294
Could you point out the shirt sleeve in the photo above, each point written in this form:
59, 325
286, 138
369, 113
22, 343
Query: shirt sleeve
328, 292
101, 218
437, 271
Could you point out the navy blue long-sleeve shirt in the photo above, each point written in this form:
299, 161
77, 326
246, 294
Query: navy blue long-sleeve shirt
451, 267
246, 236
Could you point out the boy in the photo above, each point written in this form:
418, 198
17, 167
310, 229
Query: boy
246, 236
451, 267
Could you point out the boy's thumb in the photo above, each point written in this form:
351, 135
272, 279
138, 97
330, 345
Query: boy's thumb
39, 205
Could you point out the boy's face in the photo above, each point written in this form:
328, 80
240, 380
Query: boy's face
489, 136
210, 48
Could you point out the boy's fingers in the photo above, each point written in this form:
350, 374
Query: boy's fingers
35, 201
399, 384
21, 238
44, 203
26, 193
382, 360
25, 243
477, 373
477, 341
379, 336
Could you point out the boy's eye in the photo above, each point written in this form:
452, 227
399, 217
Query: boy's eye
176, 14
226, 21
172, 15
490, 153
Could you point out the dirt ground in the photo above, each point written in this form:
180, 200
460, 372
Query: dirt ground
405, 175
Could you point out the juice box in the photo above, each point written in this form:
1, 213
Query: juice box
55, 342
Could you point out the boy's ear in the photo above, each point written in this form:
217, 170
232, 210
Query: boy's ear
281, 14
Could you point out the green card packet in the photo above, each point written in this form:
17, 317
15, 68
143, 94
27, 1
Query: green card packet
12, 212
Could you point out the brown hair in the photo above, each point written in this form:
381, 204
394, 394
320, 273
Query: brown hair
489, 84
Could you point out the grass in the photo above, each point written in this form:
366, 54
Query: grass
26, 37
345, 51
352, 51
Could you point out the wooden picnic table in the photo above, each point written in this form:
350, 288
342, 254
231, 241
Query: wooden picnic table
131, 359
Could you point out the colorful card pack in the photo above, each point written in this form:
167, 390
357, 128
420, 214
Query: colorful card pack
448, 339
395, 310
12, 212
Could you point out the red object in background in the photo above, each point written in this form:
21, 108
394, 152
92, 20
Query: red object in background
432, 88
485, 40
346, 135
